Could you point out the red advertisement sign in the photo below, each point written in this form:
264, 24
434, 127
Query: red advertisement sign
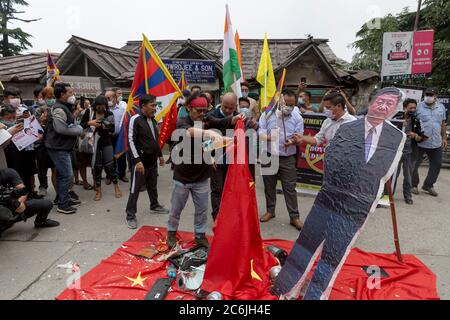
422, 53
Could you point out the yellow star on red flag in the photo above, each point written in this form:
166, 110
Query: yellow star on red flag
138, 281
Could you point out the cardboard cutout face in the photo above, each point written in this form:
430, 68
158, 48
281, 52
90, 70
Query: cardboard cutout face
383, 107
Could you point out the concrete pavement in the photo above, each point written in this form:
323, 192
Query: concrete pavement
29, 257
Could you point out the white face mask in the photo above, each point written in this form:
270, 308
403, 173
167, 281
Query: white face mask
301, 101
15, 102
245, 111
41, 102
429, 100
110, 104
329, 114
72, 100
120, 99
287, 111
244, 94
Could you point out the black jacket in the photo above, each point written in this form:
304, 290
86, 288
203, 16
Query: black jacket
144, 146
62, 132
105, 134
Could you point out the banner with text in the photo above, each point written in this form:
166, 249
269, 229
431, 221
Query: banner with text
407, 55
310, 158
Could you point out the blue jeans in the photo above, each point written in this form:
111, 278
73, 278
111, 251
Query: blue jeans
64, 175
180, 195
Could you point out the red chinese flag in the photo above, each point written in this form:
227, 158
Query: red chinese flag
238, 266
169, 125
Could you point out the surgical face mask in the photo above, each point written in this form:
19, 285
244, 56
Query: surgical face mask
15, 102
41, 102
51, 102
301, 101
72, 100
287, 111
8, 123
429, 100
110, 104
120, 99
244, 94
329, 114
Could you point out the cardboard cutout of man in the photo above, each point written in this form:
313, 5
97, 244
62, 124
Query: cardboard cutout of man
358, 162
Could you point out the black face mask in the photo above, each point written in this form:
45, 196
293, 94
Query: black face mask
412, 114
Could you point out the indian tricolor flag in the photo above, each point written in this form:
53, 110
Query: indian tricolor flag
231, 66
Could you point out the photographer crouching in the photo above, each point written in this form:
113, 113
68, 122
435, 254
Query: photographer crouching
14, 206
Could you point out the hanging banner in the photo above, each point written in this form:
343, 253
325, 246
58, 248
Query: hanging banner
407, 55
310, 158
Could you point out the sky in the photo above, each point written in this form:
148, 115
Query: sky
114, 22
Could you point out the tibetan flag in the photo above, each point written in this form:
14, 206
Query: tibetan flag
237, 40
272, 105
151, 77
182, 84
231, 67
169, 125
52, 71
266, 77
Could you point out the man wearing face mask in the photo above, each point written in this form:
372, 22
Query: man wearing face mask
118, 109
289, 124
336, 114
223, 119
413, 129
432, 115
62, 134
38, 99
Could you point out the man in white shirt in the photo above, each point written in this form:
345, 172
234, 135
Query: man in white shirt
337, 115
118, 108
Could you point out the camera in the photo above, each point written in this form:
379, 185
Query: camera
9, 202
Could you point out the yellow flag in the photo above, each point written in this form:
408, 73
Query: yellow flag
266, 77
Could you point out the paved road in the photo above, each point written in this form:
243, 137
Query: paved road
29, 258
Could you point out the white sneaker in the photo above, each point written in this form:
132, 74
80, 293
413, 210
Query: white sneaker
42, 192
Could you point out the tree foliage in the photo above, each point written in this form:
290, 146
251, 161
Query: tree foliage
13, 40
434, 15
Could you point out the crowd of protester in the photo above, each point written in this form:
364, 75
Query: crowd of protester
79, 138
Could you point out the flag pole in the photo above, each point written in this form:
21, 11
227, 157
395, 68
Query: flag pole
394, 220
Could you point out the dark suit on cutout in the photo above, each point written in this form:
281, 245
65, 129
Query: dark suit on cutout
351, 190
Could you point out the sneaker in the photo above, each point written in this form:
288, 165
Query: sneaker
132, 224
201, 240
42, 192
159, 210
430, 191
74, 203
73, 195
47, 224
67, 210
171, 239
409, 201
415, 191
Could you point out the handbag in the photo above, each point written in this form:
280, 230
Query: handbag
86, 144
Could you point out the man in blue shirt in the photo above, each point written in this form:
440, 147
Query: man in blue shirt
431, 114
285, 150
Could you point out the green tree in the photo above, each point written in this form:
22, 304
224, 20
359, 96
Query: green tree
434, 15
20, 39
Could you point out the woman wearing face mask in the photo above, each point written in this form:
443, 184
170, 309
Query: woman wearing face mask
102, 121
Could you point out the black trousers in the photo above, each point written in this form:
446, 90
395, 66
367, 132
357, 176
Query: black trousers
435, 159
218, 177
407, 163
44, 163
121, 162
150, 180
104, 159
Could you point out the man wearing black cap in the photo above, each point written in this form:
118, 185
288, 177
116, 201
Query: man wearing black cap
432, 115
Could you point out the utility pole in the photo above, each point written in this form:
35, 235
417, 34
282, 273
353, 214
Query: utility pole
416, 25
